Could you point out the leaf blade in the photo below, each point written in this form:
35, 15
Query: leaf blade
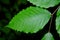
58, 21
48, 36
44, 3
30, 20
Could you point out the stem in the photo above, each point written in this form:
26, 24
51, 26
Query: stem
55, 10
52, 18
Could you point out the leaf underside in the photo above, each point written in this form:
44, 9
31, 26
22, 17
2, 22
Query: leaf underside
44, 3
30, 20
58, 21
48, 36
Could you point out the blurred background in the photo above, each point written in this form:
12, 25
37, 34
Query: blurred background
9, 8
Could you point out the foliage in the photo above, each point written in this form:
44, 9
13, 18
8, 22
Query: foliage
48, 36
45, 3
31, 19
5, 1
58, 21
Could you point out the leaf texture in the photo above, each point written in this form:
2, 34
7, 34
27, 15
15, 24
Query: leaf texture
44, 3
48, 36
30, 20
58, 21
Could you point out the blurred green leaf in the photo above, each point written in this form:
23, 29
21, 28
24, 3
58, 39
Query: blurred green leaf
4, 9
5, 1
11, 37
48, 36
58, 21
7, 13
5, 30
2, 38
45, 3
16, 6
23, 1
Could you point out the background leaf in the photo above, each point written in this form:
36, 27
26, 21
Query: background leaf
45, 3
5, 1
2, 38
48, 36
30, 20
23, 1
58, 21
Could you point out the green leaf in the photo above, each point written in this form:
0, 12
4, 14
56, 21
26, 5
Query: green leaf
48, 36
58, 21
45, 3
30, 20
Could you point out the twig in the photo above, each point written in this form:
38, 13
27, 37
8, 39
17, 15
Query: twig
52, 18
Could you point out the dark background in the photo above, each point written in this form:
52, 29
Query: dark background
10, 8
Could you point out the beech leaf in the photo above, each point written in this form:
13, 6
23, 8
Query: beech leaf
58, 21
45, 3
48, 36
30, 20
